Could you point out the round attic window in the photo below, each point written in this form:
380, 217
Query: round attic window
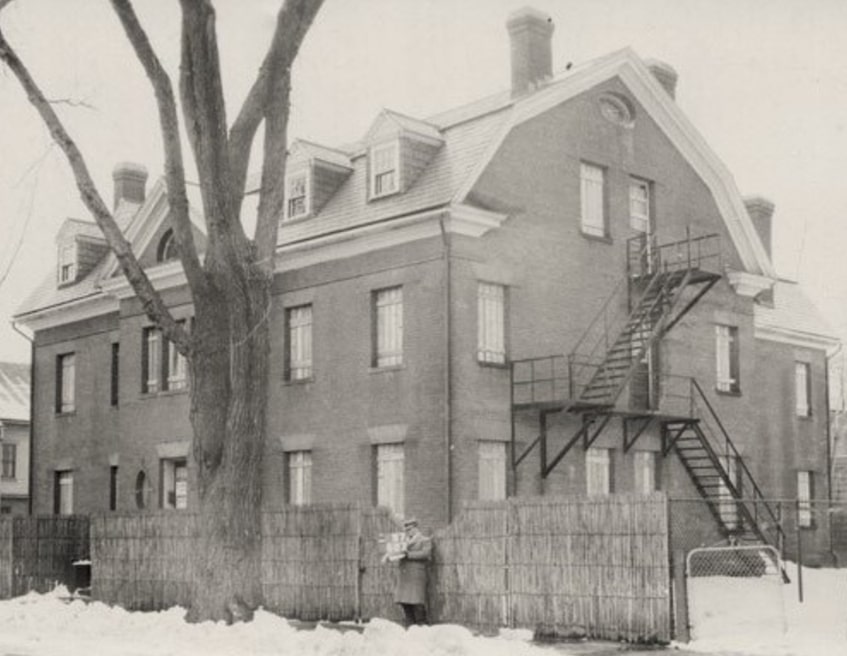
617, 109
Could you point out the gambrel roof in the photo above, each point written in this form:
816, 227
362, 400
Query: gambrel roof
468, 138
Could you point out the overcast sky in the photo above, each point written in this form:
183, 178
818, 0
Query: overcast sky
765, 82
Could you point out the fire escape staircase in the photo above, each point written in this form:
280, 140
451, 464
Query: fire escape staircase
662, 283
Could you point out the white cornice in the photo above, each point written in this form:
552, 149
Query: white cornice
749, 284
457, 219
796, 338
162, 276
88, 307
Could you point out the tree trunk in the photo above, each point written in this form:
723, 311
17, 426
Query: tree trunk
228, 412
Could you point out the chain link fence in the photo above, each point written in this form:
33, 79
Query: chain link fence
735, 589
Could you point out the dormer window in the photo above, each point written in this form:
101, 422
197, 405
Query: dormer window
297, 192
385, 169
67, 263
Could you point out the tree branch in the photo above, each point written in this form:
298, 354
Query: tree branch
150, 299
174, 169
293, 21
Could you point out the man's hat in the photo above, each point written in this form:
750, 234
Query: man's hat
409, 523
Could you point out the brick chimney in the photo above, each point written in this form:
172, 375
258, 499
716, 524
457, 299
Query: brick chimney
664, 74
760, 211
530, 33
130, 182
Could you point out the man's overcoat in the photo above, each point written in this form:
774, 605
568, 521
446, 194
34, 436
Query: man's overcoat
411, 582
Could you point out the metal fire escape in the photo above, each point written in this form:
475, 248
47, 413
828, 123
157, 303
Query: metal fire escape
616, 354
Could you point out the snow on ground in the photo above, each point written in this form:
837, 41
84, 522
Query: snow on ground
45, 625
763, 616
729, 614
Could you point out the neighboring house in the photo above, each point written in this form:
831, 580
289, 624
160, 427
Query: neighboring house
512, 297
14, 438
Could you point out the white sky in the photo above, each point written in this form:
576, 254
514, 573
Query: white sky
765, 81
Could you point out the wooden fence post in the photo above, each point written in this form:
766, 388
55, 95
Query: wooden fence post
683, 633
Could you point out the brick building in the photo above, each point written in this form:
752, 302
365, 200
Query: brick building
512, 297
14, 438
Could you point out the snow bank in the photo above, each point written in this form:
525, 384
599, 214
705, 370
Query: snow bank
47, 625
759, 616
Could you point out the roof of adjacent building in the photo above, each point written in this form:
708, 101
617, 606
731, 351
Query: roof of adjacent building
14, 391
792, 310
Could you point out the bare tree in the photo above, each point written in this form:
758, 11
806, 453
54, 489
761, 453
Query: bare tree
230, 286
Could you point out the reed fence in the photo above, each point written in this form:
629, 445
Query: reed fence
143, 562
594, 567
38, 552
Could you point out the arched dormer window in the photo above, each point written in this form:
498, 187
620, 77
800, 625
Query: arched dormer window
167, 249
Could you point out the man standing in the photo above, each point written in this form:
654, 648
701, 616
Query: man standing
411, 582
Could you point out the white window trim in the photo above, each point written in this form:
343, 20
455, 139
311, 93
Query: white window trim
173, 485
804, 499
176, 368
67, 258
637, 220
388, 315
307, 197
300, 342
590, 211
723, 358
727, 505
374, 151
803, 401
645, 464
299, 477
67, 392
66, 492
153, 336
390, 477
491, 323
492, 470
598, 471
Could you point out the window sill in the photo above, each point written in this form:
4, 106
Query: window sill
485, 364
387, 368
387, 194
66, 413
163, 393
605, 239
727, 392
804, 417
296, 219
294, 382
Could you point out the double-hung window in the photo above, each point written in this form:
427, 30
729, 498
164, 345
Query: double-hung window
10, 460
175, 377
63, 501
726, 354
297, 188
384, 162
65, 383
593, 200
727, 505
598, 471
67, 263
639, 205
299, 477
114, 387
163, 367
174, 478
151, 360
804, 499
390, 465
388, 327
802, 389
298, 322
491, 323
492, 470
646, 472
